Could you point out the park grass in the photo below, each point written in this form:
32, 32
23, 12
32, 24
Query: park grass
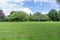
29, 30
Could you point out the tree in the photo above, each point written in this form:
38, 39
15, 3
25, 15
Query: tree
1, 15
58, 15
7, 18
18, 16
53, 15
37, 16
30, 17
58, 2
45, 17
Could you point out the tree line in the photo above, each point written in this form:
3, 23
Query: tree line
52, 15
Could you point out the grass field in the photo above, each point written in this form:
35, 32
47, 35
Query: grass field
29, 30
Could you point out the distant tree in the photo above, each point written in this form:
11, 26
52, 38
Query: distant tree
1, 15
58, 15
18, 16
45, 17
53, 15
7, 18
37, 16
58, 2
12, 12
30, 17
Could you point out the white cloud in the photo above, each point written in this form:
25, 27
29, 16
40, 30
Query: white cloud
49, 1
27, 10
52, 2
44, 12
9, 5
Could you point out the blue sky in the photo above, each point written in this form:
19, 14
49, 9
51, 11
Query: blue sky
28, 6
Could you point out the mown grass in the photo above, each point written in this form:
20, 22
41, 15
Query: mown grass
29, 30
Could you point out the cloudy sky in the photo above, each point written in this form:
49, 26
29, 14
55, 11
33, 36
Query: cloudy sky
28, 6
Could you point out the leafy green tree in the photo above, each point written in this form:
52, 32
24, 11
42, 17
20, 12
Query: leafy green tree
53, 15
58, 15
30, 17
37, 16
18, 16
7, 18
45, 17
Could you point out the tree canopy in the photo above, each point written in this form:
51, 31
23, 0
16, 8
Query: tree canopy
52, 15
58, 2
37, 16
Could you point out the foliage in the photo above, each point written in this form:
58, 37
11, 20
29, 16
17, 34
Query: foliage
53, 15
58, 15
18, 16
1, 15
58, 2
37, 16
45, 17
30, 17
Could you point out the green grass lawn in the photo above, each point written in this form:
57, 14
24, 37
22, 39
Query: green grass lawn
29, 30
